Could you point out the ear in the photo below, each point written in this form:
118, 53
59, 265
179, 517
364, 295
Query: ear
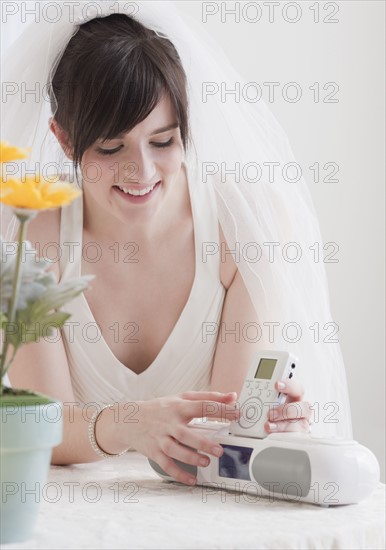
62, 137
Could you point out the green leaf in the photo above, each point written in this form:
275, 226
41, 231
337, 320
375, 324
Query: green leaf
56, 296
31, 328
3, 319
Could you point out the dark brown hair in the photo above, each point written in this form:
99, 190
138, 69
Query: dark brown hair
111, 75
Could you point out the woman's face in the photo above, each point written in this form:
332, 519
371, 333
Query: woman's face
132, 175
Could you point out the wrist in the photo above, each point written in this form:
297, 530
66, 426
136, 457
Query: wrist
105, 432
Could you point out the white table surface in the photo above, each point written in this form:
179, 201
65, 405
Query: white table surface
134, 508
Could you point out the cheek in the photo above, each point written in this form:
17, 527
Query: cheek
171, 162
97, 169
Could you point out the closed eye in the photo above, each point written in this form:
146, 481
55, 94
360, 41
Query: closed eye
161, 144
109, 151
157, 144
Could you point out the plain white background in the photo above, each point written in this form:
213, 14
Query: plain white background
350, 133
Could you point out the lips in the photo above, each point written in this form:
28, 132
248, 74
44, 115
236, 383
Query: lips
137, 188
137, 198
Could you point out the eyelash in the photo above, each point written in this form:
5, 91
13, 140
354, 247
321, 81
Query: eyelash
157, 145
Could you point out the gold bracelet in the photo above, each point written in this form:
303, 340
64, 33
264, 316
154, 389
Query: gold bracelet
92, 437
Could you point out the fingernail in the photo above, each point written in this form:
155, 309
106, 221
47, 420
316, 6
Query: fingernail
281, 385
232, 393
272, 426
192, 480
204, 462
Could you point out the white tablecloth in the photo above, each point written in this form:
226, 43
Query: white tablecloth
122, 503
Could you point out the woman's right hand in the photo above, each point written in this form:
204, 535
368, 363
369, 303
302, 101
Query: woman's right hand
161, 432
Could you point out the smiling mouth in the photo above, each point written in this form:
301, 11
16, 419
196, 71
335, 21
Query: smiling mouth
137, 192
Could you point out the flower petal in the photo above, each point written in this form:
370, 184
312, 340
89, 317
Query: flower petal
37, 193
9, 152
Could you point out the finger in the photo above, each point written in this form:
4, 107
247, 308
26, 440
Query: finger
191, 438
293, 388
208, 396
300, 425
174, 471
212, 409
290, 411
186, 454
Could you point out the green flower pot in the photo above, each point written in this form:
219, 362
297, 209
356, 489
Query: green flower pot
31, 425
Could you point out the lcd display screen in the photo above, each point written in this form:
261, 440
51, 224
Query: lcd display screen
266, 368
234, 462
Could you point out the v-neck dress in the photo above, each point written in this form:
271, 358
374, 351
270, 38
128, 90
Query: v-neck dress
185, 361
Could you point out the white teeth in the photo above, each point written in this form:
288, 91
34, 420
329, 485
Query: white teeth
136, 192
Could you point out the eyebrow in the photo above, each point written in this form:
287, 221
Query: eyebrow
165, 129
155, 132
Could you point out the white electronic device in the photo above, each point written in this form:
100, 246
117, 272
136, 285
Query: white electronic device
286, 465
259, 394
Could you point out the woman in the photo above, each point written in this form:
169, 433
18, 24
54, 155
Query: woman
168, 291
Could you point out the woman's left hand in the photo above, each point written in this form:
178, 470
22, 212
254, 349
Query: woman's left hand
294, 415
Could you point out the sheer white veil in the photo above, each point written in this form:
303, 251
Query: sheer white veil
271, 225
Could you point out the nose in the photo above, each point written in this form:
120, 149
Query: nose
140, 168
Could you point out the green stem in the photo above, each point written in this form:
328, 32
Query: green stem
14, 299
17, 277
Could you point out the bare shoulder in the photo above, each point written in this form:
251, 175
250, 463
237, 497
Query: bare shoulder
228, 267
43, 232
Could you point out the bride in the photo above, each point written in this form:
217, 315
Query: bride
159, 339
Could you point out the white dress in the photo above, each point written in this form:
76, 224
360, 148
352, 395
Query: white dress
186, 359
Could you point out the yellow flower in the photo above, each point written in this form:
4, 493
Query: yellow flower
9, 153
37, 193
